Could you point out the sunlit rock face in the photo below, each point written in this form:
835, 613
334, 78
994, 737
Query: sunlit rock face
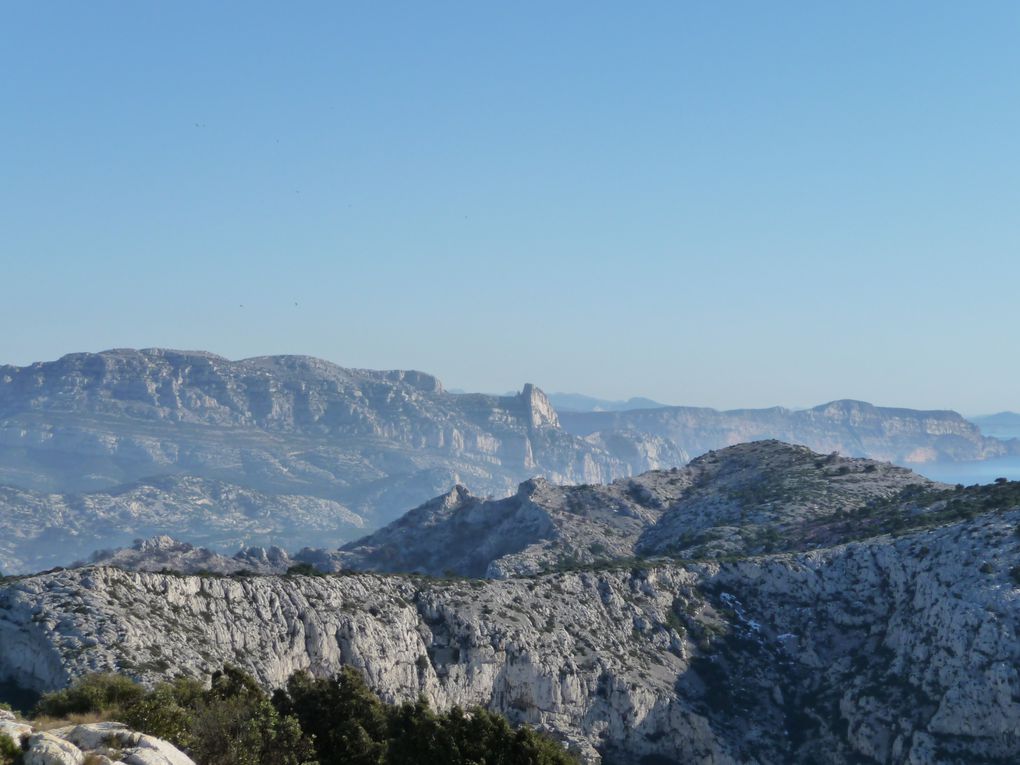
284, 450
90, 744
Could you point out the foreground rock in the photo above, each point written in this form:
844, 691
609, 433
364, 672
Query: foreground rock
107, 743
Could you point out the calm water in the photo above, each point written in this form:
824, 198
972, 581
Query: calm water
967, 473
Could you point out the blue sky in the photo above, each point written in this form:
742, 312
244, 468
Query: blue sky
724, 204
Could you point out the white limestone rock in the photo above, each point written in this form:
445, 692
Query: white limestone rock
73, 745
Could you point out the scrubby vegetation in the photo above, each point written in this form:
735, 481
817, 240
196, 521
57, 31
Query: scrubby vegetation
313, 721
10, 753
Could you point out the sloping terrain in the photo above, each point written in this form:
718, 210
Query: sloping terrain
852, 428
760, 497
540, 527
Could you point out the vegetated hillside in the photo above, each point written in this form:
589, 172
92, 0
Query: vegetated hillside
765, 496
376, 442
898, 648
852, 428
39, 531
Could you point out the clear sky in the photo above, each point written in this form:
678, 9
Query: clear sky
724, 204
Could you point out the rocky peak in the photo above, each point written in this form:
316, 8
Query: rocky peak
161, 543
540, 411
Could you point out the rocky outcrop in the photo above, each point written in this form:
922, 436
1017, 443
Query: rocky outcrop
769, 496
374, 442
852, 428
163, 553
106, 743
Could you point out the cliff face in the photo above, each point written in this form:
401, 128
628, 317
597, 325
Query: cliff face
374, 443
852, 428
894, 650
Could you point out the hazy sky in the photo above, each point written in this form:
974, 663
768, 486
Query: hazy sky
724, 204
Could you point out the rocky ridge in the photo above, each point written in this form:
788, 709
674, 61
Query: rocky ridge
758, 497
852, 428
164, 553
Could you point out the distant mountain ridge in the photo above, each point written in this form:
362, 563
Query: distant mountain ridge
1001, 425
295, 451
40, 530
578, 402
377, 442
852, 428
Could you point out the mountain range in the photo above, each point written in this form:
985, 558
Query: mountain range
765, 604
373, 443
1001, 425
578, 402
98, 449
852, 428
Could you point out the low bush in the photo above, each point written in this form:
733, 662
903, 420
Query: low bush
313, 721
10, 752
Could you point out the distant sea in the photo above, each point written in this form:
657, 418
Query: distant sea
968, 473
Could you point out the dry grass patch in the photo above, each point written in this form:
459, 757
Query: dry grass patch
45, 723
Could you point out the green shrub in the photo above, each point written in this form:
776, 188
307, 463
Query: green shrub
161, 713
341, 714
10, 752
92, 694
303, 569
351, 726
315, 721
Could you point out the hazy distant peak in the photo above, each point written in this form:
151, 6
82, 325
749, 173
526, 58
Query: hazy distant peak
578, 402
849, 405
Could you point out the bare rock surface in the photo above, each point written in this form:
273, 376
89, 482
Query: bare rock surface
101, 743
164, 553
